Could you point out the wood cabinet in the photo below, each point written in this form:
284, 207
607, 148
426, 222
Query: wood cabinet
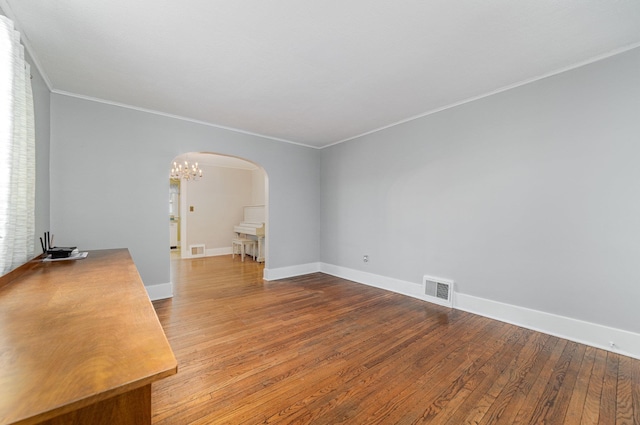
80, 343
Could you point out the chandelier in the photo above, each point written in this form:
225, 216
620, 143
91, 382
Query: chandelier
189, 172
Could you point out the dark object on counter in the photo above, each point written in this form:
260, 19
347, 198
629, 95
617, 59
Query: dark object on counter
61, 251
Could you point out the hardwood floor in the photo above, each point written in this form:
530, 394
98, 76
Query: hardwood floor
321, 350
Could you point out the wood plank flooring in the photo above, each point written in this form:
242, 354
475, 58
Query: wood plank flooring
321, 350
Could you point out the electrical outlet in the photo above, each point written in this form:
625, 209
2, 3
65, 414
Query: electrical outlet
365, 258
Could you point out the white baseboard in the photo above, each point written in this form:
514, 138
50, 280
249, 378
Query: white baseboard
214, 252
285, 272
599, 336
160, 291
211, 252
390, 284
593, 334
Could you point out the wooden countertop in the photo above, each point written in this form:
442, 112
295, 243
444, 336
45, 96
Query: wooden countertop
73, 333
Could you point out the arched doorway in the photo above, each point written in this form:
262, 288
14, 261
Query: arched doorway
204, 212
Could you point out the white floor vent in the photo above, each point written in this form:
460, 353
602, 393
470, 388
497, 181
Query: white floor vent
438, 290
196, 250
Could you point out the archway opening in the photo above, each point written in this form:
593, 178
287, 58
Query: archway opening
204, 212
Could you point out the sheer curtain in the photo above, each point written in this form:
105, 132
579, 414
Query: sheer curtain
17, 152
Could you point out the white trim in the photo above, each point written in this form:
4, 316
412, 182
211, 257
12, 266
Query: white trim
599, 336
285, 272
160, 291
592, 334
215, 252
177, 117
390, 284
208, 252
184, 225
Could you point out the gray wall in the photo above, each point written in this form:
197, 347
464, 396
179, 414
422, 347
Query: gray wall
109, 182
530, 197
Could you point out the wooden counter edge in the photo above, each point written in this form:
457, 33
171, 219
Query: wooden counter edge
44, 417
97, 398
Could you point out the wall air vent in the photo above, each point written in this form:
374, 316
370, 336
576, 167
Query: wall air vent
438, 290
196, 250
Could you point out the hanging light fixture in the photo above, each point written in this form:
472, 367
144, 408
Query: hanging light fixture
189, 172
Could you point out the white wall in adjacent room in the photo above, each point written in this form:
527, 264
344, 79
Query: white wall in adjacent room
217, 200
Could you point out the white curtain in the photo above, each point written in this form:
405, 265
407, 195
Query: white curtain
17, 152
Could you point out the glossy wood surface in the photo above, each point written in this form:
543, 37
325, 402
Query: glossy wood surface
76, 333
317, 349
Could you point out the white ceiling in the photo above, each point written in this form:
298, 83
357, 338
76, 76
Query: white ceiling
314, 72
